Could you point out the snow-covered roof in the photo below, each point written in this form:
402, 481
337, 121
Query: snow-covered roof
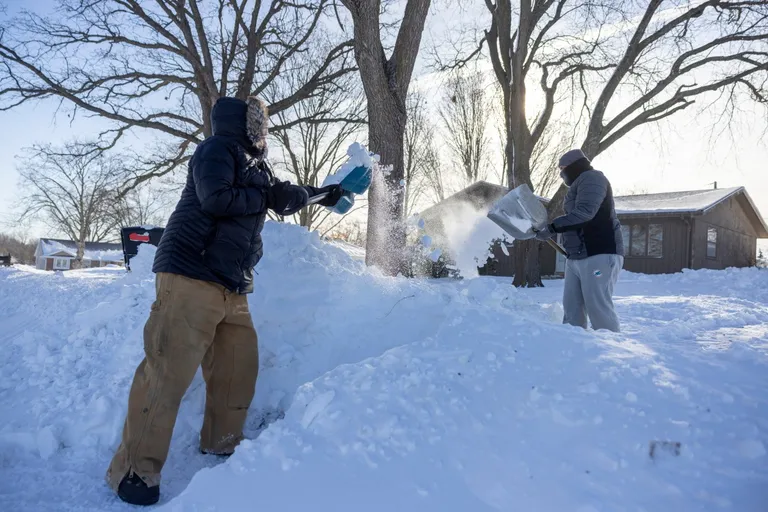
691, 201
688, 201
93, 250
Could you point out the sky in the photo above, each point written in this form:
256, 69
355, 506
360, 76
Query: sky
684, 153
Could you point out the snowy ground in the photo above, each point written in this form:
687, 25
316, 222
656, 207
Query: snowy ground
388, 394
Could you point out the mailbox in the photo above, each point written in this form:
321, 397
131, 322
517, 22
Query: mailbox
133, 237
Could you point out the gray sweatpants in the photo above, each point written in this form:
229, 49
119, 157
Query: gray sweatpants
589, 290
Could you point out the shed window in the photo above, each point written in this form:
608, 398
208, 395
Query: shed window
643, 240
625, 237
639, 242
712, 243
655, 240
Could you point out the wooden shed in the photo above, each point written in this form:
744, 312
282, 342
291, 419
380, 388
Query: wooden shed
665, 233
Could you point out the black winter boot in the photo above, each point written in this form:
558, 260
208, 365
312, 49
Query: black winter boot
133, 490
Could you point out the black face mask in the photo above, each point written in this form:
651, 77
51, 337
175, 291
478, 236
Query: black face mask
573, 171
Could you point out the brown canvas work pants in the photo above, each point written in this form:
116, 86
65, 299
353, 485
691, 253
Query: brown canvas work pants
191, 323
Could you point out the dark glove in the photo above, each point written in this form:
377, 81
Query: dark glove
334, 194
545, 233
286, 199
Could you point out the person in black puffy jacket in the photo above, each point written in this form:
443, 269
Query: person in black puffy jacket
204, 265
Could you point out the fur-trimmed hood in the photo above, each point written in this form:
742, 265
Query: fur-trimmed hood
247, 121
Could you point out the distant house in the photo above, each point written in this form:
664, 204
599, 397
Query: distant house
53, 254
663, 233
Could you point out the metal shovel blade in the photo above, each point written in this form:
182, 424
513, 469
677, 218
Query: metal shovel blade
519, 212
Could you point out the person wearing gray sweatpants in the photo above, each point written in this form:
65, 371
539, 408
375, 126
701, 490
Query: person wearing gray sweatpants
592, 239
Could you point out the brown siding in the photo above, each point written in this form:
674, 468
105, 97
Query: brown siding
736, 237
674, 246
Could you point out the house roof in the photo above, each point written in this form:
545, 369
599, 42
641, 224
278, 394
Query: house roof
93, 250
690, 201
693, 202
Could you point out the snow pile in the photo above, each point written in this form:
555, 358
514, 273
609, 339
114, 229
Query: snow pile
355, 251
377, 393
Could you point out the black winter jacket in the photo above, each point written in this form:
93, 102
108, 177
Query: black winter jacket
590, 225
214, 233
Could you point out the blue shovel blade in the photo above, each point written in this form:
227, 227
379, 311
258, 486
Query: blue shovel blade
345, 204
358, 180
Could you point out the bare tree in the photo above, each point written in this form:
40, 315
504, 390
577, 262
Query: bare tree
545, 173
465, 113
386, 81
418, 152
143, 206
19, 247
352, 232
161, 65
72, 190
315, 144
652, 60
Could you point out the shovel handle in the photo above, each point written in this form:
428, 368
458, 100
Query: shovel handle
317, 198
556, 246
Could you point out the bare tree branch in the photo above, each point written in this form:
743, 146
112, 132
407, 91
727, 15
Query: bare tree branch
71, 189
465, 113
160, 65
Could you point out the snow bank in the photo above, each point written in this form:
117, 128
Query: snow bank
377, 393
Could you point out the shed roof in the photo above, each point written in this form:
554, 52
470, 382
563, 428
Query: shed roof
689, 201
93, 250
694, 202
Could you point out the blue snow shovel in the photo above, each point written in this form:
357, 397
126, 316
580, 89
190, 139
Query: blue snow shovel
354, 183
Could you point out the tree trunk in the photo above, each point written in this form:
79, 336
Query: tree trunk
386, 82
386, 230
78, 261
527, 264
